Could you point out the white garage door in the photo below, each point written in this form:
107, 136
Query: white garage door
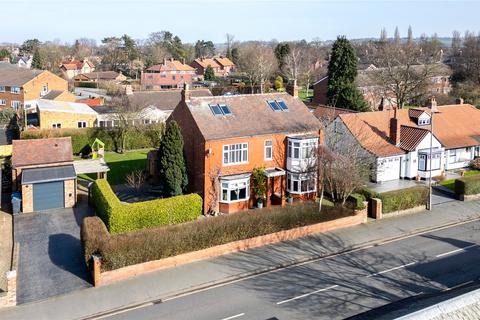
388, 169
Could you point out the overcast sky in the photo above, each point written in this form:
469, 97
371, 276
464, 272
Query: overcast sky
246, 19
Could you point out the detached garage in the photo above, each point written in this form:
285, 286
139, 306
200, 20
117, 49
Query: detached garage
42, 169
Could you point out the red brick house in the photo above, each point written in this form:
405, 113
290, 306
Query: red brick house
73, 67
170, 74
226, 137
221, 66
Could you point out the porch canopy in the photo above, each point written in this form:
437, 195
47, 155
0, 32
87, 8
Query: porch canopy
273, 172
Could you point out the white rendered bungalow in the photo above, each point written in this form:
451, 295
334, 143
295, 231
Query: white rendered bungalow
401, 143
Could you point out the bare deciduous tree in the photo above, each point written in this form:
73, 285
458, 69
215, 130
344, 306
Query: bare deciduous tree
214, 190
257, 62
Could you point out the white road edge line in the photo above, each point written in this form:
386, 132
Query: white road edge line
307, 294
455, 251
235, 316
391, 269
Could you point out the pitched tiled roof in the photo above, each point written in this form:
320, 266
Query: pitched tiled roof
170, 65
17, 76
224, 61
101, 75
75, 64
415, 113
251, 115
52, 94
455, 126
93, 102
164, 100
41, 151
410, 137
205, 62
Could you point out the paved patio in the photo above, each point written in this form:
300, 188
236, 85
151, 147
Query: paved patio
393, 185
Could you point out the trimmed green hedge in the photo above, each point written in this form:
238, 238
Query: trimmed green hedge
146, 137
356, 201
120, 217
403, 199
468, 185
130, 248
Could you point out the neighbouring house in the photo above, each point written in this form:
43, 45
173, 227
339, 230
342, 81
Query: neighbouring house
21, 88
372, 92
399, 140
170, 74
221, 66
101, 76
327, 114
46, 177
24, 61
61, 114
60, 95
73, 67
153, 106
226, 137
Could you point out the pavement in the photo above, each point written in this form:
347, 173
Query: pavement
238, 267
51, 256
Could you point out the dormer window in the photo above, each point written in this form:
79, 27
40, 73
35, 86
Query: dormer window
423, 122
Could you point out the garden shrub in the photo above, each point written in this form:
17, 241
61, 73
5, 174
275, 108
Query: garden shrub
475, 164
92, 235
140, 246
402, 199
367, 193
122, 217
355, 200
468, 185
138, 138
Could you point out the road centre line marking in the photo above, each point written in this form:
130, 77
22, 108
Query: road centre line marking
235, 316
391, 269
455, 251
306, 294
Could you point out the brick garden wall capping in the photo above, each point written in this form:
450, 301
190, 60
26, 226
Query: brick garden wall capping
108, 277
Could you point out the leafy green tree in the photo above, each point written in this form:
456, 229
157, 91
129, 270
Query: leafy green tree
204, 49
29, 46
234, 55
4, 53
281, 52
209, 73
172, 162
38, 60
342, 71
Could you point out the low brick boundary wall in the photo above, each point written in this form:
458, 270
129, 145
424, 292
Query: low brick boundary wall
108, 277
9, 298
377, 210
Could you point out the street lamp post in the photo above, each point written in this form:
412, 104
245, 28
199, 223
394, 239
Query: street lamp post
431, 158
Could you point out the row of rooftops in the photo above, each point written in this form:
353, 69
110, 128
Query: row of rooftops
176, 65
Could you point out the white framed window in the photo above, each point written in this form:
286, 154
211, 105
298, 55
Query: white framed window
422, 122
452, 156
3, 102
56, 125
235, 153
15, 90
16, 104
424, 165
2, 88
235, 190
301, 183
82, 124
268, 146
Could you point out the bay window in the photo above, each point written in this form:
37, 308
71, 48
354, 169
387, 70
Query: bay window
301, 183
303, 149
235, 153
234, 190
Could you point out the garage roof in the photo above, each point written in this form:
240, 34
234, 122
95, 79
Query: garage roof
48, 174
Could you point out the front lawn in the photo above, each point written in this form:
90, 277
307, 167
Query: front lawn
450, 183
122, 164
302, 94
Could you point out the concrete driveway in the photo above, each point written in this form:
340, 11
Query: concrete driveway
51, 258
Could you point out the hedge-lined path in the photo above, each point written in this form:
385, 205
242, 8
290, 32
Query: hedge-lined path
83, 303
51, 255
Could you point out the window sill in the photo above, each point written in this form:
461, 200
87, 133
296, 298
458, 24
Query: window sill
234, 164
301, 192
233, 201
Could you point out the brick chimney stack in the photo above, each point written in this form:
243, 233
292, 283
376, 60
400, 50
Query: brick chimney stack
292, 89
185, 93
395, 128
